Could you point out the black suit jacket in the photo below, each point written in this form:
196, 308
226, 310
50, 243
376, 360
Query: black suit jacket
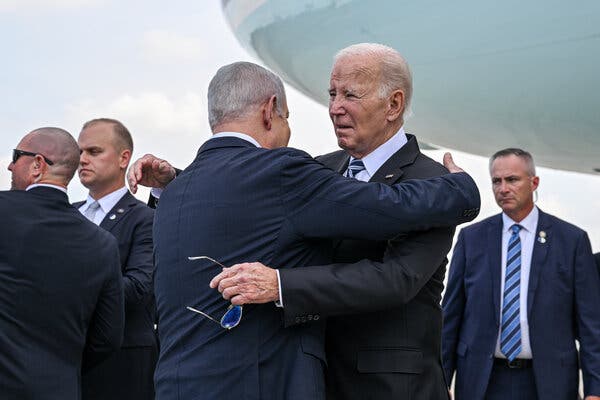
384, 317
61, 295
237, 203
130, 222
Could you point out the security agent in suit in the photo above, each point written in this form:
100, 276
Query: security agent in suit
106, 146
61, 297
383, 313
282, 210
522, 288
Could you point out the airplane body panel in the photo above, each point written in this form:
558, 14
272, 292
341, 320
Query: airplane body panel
487, 75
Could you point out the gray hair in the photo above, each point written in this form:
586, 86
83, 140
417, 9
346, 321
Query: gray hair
60, 147
395, 72
238, 88
512, 151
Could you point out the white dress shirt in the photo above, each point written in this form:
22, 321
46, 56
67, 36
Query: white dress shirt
375, 159
527, 236
62, 189
106, 204
238, 135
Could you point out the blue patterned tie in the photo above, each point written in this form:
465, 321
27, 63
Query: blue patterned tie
354, 168
510, 332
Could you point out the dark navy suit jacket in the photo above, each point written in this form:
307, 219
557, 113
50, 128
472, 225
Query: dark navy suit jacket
240, 203
130, 222
61, 295
563, 304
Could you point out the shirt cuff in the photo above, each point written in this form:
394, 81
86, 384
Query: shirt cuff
156, 192
279, 303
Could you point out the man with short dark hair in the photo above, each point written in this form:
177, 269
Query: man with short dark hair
61, 296
522, 289
106, 146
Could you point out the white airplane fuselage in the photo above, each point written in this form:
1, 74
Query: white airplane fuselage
487, 75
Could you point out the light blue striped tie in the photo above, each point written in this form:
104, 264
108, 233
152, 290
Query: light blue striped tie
355, 167
510, 332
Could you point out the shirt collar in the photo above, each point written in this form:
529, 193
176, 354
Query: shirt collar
62, 189
238, 135
529, 223
375, 159
107, 202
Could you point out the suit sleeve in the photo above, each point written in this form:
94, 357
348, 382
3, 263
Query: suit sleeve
453, 306
153, 201
587, 300
367, 285
322, 204
139, 268
105, 332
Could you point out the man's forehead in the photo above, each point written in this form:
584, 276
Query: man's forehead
354, 71
97, 134
506, 170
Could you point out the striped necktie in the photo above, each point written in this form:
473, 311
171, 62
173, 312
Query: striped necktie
354, 168
510, 332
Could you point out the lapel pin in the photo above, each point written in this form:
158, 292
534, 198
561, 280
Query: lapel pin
389, 176
120, 211
542, 237
112, 216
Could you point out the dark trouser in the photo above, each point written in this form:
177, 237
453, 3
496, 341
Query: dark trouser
511, 383
126, 375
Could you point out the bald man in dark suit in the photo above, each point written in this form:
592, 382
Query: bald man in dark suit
61, 297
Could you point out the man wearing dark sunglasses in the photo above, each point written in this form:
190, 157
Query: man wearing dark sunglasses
61, 297
247, 197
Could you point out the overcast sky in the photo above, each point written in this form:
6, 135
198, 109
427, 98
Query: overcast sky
148, 64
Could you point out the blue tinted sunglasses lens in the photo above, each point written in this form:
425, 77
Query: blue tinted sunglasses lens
232, 317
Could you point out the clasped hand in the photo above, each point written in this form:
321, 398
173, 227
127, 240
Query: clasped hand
247, 283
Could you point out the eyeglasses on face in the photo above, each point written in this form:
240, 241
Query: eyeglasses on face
18, 153
232, 316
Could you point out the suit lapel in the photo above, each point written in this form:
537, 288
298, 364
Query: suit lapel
391, 170
123, 206
538, 257
341, 165
494, 246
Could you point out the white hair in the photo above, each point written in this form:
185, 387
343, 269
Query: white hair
238, 88
395, 73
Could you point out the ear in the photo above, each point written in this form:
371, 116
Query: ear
268, 112
124, 158
535, 181
396, 104
37, 168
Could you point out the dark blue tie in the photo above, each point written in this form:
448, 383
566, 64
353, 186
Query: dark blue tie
510, 332
354, 168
